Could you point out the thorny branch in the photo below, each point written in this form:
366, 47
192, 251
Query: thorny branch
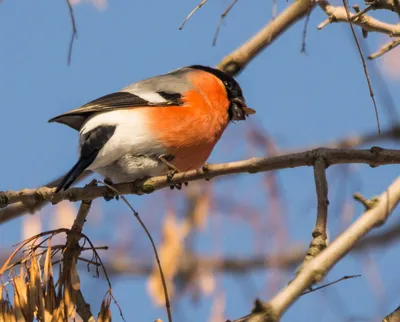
318, 267
374, 157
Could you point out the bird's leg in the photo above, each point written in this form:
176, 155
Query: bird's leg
166, 159
110, 195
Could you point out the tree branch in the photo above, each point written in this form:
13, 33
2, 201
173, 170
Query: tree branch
18, 209
236, 61
319, 241
374, 157
368, 23
317, 268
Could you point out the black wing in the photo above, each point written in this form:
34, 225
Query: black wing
77, 117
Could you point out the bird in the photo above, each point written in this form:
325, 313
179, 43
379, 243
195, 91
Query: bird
170, 122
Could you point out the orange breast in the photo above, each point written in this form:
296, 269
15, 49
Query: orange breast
190, 132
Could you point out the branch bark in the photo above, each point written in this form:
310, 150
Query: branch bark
374, 157
368, 23
235, 62
317, 268
319, 241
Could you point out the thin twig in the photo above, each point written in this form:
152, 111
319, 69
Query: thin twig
371, 92
359, 13
303, 42
236, 61
74, 31
136, 214
384, 49
203, 2
98, 258
329, 284
224, 14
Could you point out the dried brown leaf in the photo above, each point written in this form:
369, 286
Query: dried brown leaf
50, 300
34, 286
58, 314
75, 280
21, 307
69, 300
6, 311
47, 263
105, 312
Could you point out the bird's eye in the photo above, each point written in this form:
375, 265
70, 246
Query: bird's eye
228, 85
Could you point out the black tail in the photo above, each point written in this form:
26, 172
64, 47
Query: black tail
93, 140
75, 172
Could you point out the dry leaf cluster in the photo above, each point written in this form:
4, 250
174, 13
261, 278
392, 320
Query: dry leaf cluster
44, 284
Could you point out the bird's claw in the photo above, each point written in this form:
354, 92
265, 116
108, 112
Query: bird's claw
166, 159
178, 185
110, 194
171, 173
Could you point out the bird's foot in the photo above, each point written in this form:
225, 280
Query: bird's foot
178, 185
110, 194
166, 159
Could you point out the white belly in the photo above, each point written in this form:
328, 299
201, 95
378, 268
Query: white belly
131, 152
131, 167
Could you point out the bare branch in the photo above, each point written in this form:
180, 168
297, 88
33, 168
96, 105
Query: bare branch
203, 2
74, 31
384, 49
239, 58
371, 92
374, 157
338, 14
317, 268
224, 14
319, 241
393, 317
18, 209
331, 283
153, 245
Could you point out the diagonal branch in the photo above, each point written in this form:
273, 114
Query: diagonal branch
236, 61
317, 268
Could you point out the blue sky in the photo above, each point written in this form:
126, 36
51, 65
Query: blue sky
300, 99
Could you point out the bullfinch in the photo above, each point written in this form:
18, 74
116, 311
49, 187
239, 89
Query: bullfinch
171, 121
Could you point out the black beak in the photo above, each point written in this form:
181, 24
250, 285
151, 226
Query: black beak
239, 111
